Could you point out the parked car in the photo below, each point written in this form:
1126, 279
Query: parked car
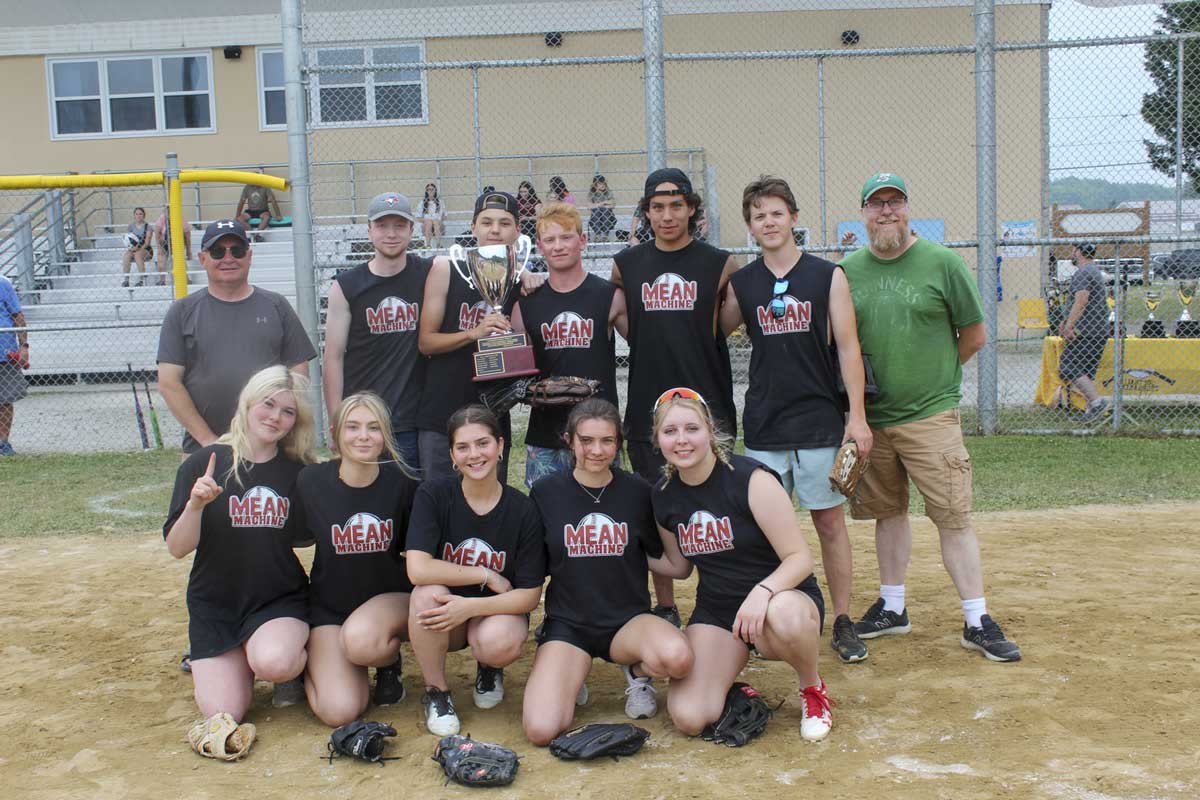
1066, 270
1182, 264
1130, 270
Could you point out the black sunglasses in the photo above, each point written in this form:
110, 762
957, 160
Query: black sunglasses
778, 306
217, 251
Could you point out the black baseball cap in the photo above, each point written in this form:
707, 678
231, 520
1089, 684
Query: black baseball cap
224, 227
1087, 249
667, 175
500, 200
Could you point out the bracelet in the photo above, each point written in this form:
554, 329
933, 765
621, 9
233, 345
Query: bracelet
483, 583
768, 588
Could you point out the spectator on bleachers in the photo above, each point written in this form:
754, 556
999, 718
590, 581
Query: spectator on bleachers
14, 358
433, 216
603, 218
139, 246
162, 237
559, 193
528, 205
257, 202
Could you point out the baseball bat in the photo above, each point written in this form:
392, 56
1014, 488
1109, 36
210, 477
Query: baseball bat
158, 442
137, 405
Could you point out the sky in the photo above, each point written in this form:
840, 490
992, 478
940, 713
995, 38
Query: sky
1096, 127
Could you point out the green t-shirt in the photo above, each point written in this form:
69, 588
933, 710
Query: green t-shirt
909, 311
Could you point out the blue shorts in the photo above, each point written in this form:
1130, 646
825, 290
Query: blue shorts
805, 473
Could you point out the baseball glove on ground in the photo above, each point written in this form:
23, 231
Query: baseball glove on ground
848, 467
745, 716
361, 739
221, 737
473, 763
561, 390
599, 739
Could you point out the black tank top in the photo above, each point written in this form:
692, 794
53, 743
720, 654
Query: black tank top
792, 401
672, 299
569, 334
381, 349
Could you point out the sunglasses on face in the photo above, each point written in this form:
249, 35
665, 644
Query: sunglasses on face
778, 306
217, 251
681, 392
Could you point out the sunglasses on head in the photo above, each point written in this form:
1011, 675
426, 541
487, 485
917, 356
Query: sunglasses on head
681, 392
778, 306
237, 250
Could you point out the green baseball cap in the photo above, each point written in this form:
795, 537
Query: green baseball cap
882, 180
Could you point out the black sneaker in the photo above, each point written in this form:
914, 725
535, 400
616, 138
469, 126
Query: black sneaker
877, 622
989, 640
489, 686
845, 641
440, 717
185, 663
389, 688
669, 613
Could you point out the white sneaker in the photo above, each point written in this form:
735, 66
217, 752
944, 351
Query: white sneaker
582, 698
489, 686
640, 701
440, 716
818, 720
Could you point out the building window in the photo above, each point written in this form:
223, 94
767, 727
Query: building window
130, 95
272, 110
368, 96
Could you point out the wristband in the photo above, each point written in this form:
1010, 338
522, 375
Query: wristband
768, 588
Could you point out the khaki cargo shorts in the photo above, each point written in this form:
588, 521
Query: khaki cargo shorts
930, 451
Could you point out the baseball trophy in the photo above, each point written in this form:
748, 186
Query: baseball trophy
493, 270
1153, 328
1186, 327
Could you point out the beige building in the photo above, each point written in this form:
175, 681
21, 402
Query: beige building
125, 83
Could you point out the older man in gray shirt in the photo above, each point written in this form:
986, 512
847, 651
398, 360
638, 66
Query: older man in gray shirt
213, 340
1085, 331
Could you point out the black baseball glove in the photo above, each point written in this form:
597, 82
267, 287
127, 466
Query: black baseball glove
599, 739
501, 395
473, 763
745, 716
361, 739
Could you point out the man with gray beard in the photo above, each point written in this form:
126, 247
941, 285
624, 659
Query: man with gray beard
920, 319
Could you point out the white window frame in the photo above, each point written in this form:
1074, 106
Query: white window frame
106, 131
314, 104
260, 54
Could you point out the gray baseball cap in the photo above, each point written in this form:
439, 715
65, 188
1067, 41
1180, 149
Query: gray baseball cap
389, 204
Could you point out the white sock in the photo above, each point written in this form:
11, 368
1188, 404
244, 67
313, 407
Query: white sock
893, 598
973, 610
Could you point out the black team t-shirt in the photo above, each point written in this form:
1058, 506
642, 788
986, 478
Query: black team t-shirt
381, 349
569, 334
717, 532
244, 571
672, 299
792, 401
360, 535
596, 551
507, 539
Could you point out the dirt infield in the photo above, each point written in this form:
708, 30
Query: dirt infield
1101, 599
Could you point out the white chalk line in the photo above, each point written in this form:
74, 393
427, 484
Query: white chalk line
102, 504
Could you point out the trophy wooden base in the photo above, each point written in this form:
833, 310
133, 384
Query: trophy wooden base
1187, 329
1154, 329
507, 355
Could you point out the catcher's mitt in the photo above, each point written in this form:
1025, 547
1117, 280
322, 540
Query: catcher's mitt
361, 739
848, 468
473, 763
599, 739
561, 390
221, 737
500, 396
745, 716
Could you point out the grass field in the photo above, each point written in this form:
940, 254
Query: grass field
124, 492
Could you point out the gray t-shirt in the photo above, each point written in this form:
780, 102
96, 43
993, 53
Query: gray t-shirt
1094, 321
140, 231
221, 344
257, 197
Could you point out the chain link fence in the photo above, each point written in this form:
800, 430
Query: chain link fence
1095, 128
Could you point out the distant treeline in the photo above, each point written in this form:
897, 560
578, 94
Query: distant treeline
1092, 193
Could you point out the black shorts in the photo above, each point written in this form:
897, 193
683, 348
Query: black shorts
646, 460
596, 642
1081, 357
210, 637
724, 618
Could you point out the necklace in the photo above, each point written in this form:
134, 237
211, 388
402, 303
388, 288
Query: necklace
595, 497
